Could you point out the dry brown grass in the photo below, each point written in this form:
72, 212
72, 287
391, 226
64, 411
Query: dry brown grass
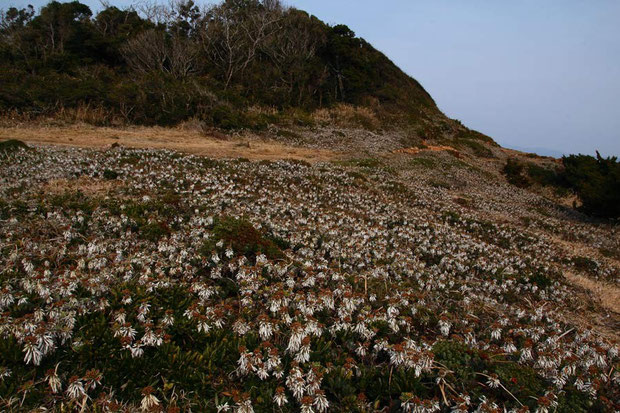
606, 294
189, 140
347, 116
86, 185
62, 116
605, 320
429, 148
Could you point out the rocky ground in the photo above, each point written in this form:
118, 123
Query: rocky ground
141, 279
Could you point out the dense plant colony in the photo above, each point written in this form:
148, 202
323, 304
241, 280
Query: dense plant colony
141, 279
595, 181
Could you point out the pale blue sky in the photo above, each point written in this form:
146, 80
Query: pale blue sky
529, 73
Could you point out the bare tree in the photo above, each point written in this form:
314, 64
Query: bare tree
232, 36
12, 34
152, 51
146, 52
292, 47
184, 57
159, 14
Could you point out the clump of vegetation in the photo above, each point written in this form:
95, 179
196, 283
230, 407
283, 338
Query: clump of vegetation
110, 174
242, 237
424, 162
212, 63
345, 298
154, 231
514, 173
12, 145
348, 116
370, 163
527, 174
585, 264
541, 175
596, 181
440, 184
479, 149
470, 134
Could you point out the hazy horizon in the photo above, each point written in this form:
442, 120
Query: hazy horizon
533, 75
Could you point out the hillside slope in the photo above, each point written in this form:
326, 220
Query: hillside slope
235, 65
148, 279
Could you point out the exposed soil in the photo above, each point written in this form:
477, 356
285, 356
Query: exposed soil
188, 141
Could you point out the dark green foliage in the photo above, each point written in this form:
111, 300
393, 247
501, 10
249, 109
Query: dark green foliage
12, 145
585, 264
543, 175
186, 359
109, 174
540, 279
243, 238
154, 231
72, 201
370, 163
573, 401
610, 252
424, 162
524, 175
522, 381
479, 149
457, 357
514, 173
440, 184
596, 181
475, 141
164, 72
471, 134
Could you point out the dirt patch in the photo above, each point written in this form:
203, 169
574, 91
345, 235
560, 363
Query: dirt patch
252, 147
88, 186
430, 148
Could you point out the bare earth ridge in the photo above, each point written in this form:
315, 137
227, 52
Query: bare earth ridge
188, 141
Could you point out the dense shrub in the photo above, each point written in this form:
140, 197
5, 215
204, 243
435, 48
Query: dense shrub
543, 175
479, 149
12, 145
182, 66
240, 235
514, 173
596, 181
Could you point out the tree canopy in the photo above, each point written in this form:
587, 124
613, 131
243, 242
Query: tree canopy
165, 64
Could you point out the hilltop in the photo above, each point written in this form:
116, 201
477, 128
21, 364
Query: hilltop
239, 65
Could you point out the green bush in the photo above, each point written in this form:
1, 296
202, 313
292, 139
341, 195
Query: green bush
543, 176
12, 145
154, 231
479, 149
585, 264
66, 57
514, 173
110, 174
243, 238
596, 181
458, 358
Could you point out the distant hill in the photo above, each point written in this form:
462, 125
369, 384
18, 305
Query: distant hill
540, 151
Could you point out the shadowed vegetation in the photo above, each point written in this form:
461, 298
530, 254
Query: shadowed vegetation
162, 65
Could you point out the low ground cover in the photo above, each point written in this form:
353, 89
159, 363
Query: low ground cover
153, 280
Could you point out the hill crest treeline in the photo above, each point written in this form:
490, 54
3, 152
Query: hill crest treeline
163, 65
